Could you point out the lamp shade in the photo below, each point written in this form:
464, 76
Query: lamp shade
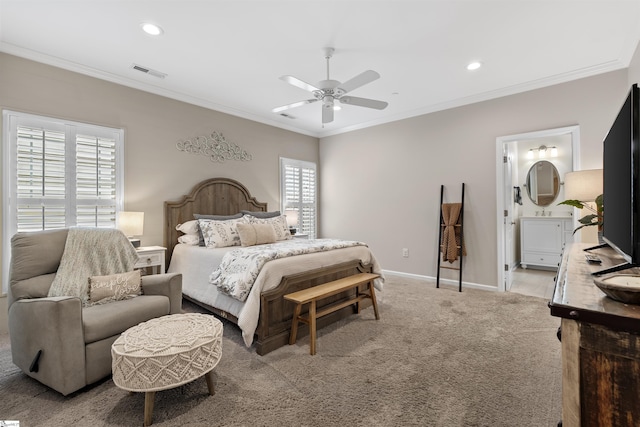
130, 223
292, 217
584, 185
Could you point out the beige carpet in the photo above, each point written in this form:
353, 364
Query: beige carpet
436, 358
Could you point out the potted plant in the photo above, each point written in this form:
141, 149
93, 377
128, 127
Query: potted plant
596, 217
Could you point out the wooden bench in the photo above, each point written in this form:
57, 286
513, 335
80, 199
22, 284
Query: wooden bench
315, 293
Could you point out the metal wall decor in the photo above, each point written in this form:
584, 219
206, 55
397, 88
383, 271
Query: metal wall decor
214, 146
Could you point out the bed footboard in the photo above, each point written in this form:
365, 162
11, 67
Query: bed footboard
218, 312
274, 325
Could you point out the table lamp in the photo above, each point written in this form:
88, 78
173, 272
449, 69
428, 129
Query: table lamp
585, 186
131, 224
292, 220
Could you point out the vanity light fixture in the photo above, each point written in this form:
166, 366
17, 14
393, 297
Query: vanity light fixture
151, 29
542, 152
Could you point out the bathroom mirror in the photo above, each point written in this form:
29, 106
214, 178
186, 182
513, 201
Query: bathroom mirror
543, 183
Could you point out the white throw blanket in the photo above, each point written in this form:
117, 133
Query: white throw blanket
240, 268
91, 252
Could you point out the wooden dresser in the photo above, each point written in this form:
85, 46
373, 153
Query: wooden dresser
600, 344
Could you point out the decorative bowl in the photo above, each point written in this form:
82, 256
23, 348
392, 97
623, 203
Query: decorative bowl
621, 287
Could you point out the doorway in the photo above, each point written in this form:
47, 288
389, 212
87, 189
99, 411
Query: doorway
515, 156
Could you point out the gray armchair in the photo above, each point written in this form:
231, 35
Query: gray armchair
56, 340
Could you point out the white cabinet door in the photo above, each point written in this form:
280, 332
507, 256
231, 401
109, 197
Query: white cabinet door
542, 236
542, 240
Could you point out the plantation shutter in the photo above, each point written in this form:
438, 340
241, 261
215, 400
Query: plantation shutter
95, 181
299, 193
60, 174
40, 180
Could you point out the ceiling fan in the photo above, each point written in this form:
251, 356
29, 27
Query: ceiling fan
328, 91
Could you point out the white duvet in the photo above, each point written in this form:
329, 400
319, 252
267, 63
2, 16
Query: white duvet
197, 263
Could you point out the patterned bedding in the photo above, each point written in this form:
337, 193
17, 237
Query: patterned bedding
197, 263
240, 268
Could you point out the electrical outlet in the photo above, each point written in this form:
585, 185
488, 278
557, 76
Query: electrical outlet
405, 252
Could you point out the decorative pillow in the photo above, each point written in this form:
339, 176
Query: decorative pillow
104, 289
220, 234
279, 224
214, 217
262, 214
189, 239
189, 227
256, 234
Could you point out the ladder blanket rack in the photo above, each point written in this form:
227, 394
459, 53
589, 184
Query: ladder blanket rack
451, 236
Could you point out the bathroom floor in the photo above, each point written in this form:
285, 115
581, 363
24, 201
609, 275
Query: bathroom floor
533, 282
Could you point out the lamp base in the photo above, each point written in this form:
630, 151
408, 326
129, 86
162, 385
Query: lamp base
135, 242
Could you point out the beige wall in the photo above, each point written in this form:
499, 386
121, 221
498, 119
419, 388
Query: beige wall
155, 170
381, 185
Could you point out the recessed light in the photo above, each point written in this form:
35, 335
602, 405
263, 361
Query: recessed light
474, 66
151, 29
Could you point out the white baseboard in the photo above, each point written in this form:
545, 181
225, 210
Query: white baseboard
446, 282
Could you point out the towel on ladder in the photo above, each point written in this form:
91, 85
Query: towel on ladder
451, 236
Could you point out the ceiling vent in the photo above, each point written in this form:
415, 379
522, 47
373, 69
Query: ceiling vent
288, 116
149, 71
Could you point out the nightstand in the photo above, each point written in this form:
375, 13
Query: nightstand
151, 256
300, 236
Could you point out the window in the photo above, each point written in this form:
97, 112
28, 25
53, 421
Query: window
58, 174
298, 191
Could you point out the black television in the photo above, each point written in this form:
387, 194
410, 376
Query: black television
621, 184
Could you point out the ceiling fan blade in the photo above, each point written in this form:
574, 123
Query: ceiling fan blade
364, 102
327, 113
294, 105
299, 83
359, 80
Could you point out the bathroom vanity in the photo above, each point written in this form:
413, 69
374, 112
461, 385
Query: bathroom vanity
542, 239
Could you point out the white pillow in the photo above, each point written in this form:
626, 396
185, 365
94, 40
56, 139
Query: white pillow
279, 224
189, 227
189, 239
220, 234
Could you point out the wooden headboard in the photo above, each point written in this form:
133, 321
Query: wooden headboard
215, 196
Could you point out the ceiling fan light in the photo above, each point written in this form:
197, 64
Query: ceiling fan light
328, 91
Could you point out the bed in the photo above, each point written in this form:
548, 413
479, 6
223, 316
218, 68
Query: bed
264, 317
